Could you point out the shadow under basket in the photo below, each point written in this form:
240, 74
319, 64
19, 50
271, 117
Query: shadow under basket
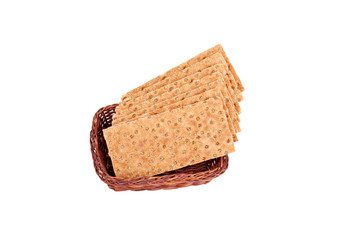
196, 174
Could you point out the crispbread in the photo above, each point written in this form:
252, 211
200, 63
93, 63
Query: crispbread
169, 90
160, 89
209, 85
204, 84
185, 67
181, 72
219, 48
175, 102
169, 140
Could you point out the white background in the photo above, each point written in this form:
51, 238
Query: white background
295, 173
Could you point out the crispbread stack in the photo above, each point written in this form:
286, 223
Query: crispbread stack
180, 118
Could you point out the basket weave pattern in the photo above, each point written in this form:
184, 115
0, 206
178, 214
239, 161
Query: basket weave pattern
196, 174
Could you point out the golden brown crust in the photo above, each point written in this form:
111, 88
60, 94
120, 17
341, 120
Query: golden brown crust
220, 49
177, 102
202, 60
174, 82
187, 88
169, 140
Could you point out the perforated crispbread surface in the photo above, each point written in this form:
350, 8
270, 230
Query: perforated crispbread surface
169, 140
175, 102
230, 84
184, 72
156, 107
173, 84
184, 66
188, 88
170, 90
219, 48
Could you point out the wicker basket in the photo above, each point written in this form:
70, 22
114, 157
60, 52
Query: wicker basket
196, 174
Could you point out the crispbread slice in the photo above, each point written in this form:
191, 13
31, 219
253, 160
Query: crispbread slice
203, 60
160, 89
175, 102
206, 83
169, 140
196, 68
219, 48
171, 76
170, 90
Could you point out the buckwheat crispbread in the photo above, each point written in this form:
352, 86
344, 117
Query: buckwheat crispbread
185, 66
201, 85
177, 102
219, 48
169, 90
160, 89
161, 143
